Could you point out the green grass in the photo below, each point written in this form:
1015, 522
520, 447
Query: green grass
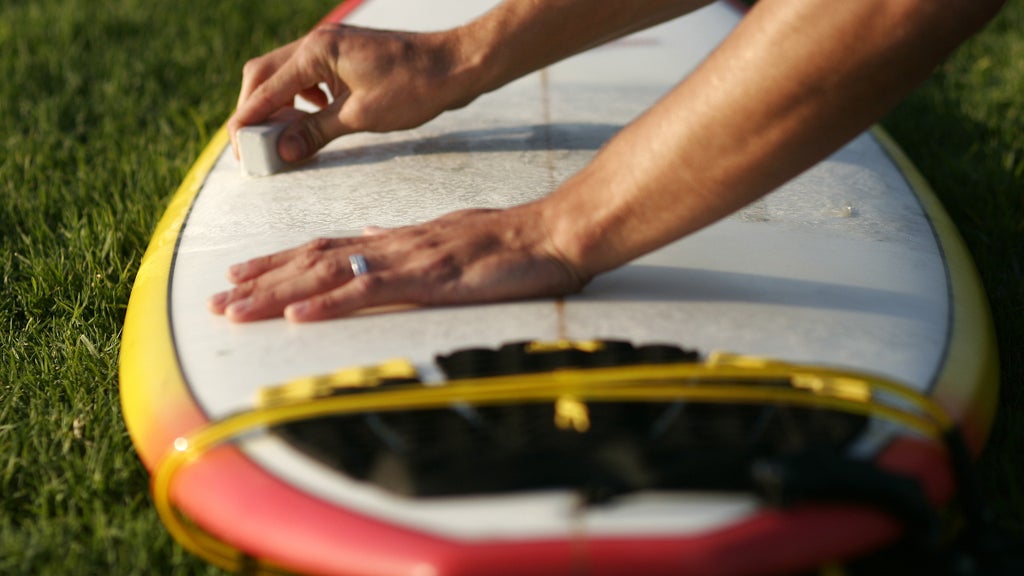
103, 107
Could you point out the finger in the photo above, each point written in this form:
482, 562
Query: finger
245, 271
302, 138
374, 231
272, 93
255, 72
365, 291
302, 66
267, 296
265, 274
219, 302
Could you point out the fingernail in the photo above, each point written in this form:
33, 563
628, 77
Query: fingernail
296, 311
292, 147
238, 308
217, 301
236, 271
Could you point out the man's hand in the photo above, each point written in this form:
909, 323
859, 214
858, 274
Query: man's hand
387, 80
378, 81
468, 256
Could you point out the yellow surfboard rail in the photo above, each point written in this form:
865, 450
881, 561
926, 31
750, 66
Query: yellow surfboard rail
967, 385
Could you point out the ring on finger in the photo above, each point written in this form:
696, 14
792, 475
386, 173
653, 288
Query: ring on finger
358, 264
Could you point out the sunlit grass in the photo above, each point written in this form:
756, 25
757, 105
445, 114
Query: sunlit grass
103, 106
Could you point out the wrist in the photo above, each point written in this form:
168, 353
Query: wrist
581, 227
496, 48
458, 59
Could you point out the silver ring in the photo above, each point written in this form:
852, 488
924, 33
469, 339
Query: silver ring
358, 264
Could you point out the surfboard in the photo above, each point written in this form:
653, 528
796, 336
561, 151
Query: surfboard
829, 336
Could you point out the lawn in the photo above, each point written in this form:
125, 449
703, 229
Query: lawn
103, 107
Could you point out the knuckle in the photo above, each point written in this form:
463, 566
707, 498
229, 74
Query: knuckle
311, 255
444, 268
317, 245
261, 263
324, 32
253, 68
264, 298
327, 270
243, 290
307, 259
317, 38
358, 114
362, 287
314, 135
262, 97
325, 303
323, 41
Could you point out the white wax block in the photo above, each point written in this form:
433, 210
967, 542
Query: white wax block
257, 145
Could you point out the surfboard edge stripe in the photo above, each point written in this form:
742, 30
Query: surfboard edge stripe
148, 352
967, 383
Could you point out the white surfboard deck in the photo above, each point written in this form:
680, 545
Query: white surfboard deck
840, 267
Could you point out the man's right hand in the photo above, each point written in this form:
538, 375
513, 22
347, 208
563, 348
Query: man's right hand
378, 81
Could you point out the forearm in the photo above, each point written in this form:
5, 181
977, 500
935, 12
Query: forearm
520, 36
795, 81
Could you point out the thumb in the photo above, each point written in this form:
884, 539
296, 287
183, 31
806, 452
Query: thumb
303, 137
300, 140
